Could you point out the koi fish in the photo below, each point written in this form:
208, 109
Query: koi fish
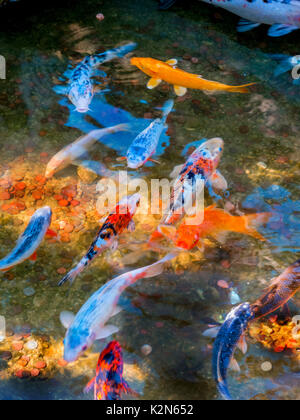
282, 15
81, 89
287, 63
74, 151
199, 170
107, 237
90, 323
181, 80
216, 222
109, 384
145, 144
281, 290
230, 336
30, 239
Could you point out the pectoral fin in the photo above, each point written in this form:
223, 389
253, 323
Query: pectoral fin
281, 30
242, 344
66, 318
90, 385
153, 83
245, 25
179, 90
234, 365
218, 181
131, 226
173, 62
115, 245
168, 231
106, 331
117, 310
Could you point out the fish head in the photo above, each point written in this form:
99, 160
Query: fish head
136, 157
81, 97
146, 65
76, 342
213, 149
243, 312
52, 167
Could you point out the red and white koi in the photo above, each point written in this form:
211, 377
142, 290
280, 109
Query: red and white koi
109, 384
107, 237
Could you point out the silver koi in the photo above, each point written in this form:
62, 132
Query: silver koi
81, 88
79, 148
30, 239
90, 323
145, 144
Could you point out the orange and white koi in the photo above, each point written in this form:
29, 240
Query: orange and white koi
74, 151
30, 239
109, 384
213, 223
107, 237
200, 170
181, 80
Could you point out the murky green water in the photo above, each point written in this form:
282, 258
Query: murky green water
261, 134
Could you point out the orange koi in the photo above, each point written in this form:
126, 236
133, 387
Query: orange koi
180, 79
216, 222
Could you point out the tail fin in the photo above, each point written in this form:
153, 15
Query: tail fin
224, 391
128, 390
285, 63
167, 108
125, 49
240, 89
71, 276
157, 268
256, 219
168, 231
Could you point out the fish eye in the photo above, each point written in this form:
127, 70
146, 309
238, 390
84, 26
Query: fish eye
102, 236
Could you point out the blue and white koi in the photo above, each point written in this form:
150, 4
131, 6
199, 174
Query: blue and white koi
81, 88
231, 335
74, 151
108, 235
30, 239
282, 15
145, 144
90, 323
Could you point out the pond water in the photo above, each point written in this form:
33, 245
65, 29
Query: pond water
260, 162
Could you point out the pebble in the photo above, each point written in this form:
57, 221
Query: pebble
20, 186
31, 345
29, 291
223, 284
37, 194
63, 203
146, 349
75, 203
62, 363
17, 345
40, 365
4, 195
62, 270
100, 16
34, 372
266, 366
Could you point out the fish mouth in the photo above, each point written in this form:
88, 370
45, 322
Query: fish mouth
82, 110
